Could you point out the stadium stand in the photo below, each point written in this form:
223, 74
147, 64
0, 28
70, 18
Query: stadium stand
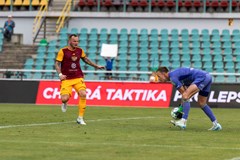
136, 53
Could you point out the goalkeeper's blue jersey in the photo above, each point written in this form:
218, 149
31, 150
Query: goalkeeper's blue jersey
187, 76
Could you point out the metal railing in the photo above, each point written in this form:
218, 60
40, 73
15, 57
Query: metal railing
64, 14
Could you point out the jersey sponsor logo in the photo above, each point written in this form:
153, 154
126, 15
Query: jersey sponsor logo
111, 94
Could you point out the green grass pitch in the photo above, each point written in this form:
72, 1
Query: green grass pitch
32, 132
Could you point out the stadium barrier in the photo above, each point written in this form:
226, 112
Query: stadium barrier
114, 93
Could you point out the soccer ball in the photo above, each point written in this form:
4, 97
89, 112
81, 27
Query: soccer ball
175, 114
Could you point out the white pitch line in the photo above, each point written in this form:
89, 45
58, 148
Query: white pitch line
56, 123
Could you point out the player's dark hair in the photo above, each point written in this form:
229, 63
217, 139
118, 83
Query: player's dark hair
72, 35
162, 69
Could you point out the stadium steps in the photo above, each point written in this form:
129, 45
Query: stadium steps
14, 56
49, 31
57, 5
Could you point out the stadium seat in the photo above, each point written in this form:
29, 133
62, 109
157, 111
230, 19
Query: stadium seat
154, 31
217, 58
228, 58
197, 64
219, 79
44, 2
35, 3
218, 65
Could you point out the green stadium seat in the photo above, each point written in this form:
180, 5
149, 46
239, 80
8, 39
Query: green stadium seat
43, 42
124, 31
133, 37
236, 32
123, 37
154, 31
225, 32
228, 58
64, 31
216, 38
143, 50
133, 63
174, 44
154, 57
52, 49
164, 57
162, 32
196, 44
227, 51
186, 57
219, 79
40, 55
236, 52
236, 45
205, 38
133, 31
175, 50
196, 51
229, 65
63, 43
92, 50
52, 43
164, 44
143, 56
123, 44
197, 64
165, 38
186, 64
83, 31
196, 57
175, 57
93, 43
226, 38
153, 37
122, 63
38, 67
74, 31
42, 49
114, 31
154, 44
133, 51
237, 58
144, 31
174, 32
236, 38
37, 75
206, 51
133, 43
194, 32
184, 32
217, 51
94, 37
143, 44
207, 65
231, 79
215, 32
162, 50
94, 31
206, 58
217, 58
204, 32
39, 62
206, 44
174, 37
185, 38
51, 55
104, 31
218, 65
133, 68
216, 44
186, 50
63, 37
123, 50
175, 64
166, 63
195, 38
143, 37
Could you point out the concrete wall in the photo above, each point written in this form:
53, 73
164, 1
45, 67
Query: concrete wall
24, 21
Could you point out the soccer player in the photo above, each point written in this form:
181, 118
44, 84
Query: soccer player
189, 81
68, 67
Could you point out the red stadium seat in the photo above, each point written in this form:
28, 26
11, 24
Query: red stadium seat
134, 3
171, 3
143, 3
81, 3
90, 3
197, 3
215, 3
154, 3
107, 3
180, 3
188, 3
161, 3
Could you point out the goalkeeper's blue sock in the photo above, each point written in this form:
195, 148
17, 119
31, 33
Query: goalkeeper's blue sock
186, 108
207, 110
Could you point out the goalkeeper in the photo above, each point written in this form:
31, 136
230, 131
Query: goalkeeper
195, 81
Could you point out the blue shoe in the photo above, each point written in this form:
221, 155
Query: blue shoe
216, 127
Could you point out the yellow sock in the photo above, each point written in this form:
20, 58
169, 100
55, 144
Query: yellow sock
81, 106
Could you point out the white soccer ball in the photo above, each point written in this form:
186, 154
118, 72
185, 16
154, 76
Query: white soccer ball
175, 114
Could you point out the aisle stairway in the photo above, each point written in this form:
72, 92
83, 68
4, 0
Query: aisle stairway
14, 56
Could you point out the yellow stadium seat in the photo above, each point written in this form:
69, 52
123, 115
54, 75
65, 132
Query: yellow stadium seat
2, 3
8, 3
44, 2
35, 3
17, 3
26, 3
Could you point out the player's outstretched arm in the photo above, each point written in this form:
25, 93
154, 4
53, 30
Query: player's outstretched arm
89, 62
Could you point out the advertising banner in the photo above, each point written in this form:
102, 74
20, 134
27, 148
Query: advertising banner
111, 94
221, 96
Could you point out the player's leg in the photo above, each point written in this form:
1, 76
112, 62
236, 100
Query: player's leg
80, 87
65, 92
186, 95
